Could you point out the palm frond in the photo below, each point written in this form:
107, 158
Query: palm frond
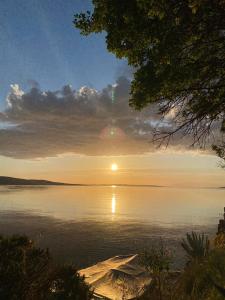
195, 245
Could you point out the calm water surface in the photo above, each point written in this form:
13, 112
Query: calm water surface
82, 225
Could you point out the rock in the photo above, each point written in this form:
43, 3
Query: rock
117, 278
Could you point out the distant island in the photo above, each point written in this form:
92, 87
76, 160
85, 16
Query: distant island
18, 181
4, 180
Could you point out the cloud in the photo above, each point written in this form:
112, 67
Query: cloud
84, 121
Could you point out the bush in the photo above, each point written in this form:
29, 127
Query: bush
157, 262
196, 245
28, 273
68, 284
203, 277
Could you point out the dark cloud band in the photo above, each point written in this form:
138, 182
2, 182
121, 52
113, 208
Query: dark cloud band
85, 121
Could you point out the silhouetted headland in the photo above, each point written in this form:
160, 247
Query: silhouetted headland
4, 180
18, 181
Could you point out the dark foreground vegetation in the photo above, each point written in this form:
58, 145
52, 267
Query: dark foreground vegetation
203, 277
28, 272
177, 52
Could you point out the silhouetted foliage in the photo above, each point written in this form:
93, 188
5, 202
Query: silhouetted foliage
68, 284
28, 273
195, 245
177, 49
24, 269
203, 276
204, 279
157, 262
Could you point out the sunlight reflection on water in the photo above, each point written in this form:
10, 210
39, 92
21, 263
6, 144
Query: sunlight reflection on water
113, 204
98, 222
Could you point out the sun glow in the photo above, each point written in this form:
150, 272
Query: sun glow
114, 167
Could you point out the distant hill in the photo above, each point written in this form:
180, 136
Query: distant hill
4, 180
18, 181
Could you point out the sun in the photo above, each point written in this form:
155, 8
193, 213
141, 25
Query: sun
114, 167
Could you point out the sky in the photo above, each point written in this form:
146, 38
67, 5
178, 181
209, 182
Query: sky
64, 112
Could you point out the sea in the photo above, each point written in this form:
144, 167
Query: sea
82, 225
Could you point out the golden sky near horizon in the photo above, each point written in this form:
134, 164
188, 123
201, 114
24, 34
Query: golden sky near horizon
160, 168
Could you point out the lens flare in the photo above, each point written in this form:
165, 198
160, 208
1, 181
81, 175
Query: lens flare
112, 133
